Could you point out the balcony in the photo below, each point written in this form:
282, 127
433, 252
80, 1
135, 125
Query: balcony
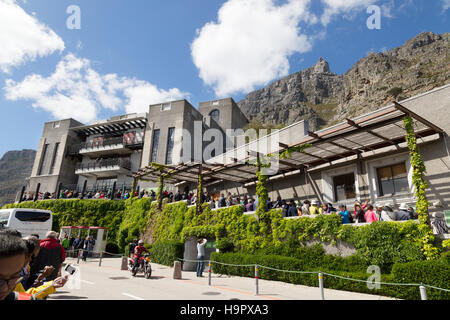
101, 146
104, 167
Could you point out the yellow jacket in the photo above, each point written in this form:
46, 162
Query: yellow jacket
313, 209
39, 292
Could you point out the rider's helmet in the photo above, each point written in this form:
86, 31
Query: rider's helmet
141, 242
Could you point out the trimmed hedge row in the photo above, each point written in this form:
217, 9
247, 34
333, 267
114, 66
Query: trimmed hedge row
434, 275
166, 252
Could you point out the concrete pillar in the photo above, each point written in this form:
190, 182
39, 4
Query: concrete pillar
177, 270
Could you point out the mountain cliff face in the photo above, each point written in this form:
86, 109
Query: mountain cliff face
15, 167
324, 98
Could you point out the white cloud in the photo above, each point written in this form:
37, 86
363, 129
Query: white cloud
445, 5
75, 90
342, 7
250, 43
23, 37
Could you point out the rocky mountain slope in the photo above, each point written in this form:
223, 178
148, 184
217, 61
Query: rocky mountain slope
15, 167
324, 98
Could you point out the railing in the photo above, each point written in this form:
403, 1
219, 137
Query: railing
75, 149
121, 162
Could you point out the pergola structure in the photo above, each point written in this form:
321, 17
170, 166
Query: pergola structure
373, 131
112, 126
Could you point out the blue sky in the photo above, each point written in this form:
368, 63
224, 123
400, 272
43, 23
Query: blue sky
129, 54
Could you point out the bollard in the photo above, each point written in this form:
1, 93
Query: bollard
124, 265
101, 256
322, 296
177, 270
423, 293
209, 274
256, 280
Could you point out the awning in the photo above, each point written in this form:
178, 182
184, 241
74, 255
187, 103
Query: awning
370, 132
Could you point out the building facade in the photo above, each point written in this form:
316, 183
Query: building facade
98, 156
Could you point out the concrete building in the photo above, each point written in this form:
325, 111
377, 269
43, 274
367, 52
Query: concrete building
365, 158
98, 156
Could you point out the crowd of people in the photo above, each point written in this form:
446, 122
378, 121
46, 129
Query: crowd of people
30, 268
74, 194
360, 213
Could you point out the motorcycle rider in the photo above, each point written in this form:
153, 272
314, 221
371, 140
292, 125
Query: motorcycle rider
138, 253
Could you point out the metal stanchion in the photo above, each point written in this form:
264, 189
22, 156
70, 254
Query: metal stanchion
101, 256
322, 296
256, 280
423, 293
209, 274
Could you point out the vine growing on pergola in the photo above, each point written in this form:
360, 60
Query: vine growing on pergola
420, 185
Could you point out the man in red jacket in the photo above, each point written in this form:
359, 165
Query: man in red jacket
51, 254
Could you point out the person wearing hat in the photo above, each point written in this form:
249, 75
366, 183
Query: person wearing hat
381, 213
403, 213
314, 209
359, 211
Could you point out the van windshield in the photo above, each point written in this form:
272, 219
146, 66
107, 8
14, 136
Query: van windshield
4, 217
38, 216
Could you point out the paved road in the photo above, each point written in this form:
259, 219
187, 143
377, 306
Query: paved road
108, 282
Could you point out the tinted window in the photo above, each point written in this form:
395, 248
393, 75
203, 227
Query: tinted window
37, 216
4, 216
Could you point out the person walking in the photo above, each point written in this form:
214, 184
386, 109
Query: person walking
85, 248
201, 256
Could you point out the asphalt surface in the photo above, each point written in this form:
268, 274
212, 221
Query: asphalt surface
108, 282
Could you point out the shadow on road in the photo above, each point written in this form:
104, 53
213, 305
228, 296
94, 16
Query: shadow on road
64, 297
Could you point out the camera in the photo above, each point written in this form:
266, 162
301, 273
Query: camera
70, 270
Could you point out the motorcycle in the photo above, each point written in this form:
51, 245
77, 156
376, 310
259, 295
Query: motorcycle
143, 266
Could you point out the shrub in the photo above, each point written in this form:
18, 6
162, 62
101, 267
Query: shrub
383, 244
225, 245
431, 272
112, 248
434, 273
166, 252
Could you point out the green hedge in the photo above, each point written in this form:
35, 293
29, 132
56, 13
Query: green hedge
435, 275
166, 252
434, 272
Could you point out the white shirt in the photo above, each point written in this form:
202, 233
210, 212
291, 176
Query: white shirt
201, 248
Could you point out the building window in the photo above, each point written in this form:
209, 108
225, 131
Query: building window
166, 106
55, 153
392, 179
41, 163
215, 103
170, 142
215, 114
56, 124
344, 187
155, 145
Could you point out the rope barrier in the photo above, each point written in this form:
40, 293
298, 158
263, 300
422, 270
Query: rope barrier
317, 272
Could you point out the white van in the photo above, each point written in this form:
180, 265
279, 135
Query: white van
27, 221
